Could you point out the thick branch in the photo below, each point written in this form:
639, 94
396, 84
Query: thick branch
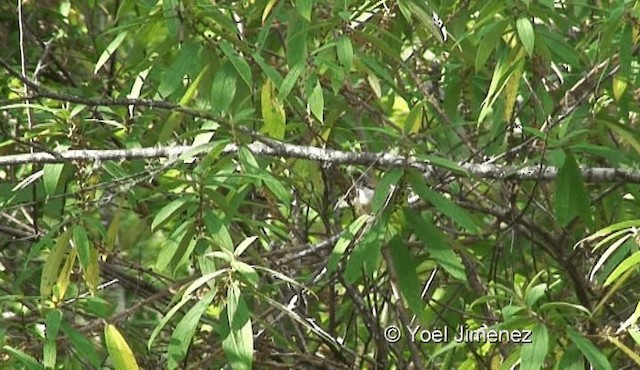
277, 149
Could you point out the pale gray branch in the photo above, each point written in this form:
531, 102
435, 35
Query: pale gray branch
278, 149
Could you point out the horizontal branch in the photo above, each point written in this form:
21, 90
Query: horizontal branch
273, 148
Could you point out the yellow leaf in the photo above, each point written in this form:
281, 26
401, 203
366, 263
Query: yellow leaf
619, 86
121, 355
272, 112
65, 276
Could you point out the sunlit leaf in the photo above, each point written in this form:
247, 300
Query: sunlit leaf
119, 351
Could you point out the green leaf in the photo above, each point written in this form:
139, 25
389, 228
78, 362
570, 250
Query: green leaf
238, 345
244, 245
316, 102
571, 359
119, 351
29, 362
176, 117
51, 174
365, 256
247, 271
305, 7
571, 198
170, 211
81, 243
223, 89
218, 230
179, 240
532, 354
345, 239
185, 330
111, 48
625, 265
345, 52
384, 188
442, 204
591, 352
49, 353
490, 37
526, 35
408, 282
273, 112
268, 69
81, 345
290, 81
165, 320
435, 244
624, 132
296, 40
240, 63
414, 119
171, 19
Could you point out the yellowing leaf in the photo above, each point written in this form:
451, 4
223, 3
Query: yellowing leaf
65, 275
52, 265
511, 89
272, 112
619, 87
92, 273
121, 355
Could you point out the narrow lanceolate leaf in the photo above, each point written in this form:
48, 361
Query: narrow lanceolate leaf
597, 359
65, 276
111, 48
120, 353
435, 244
290, 80
511, 88
442, 204
186, 328
625, 265
238, 345
344, 241
81, 242
92, 272
81, 345
239, 63
532, 354
272, 112
408, 282
296, 42
169, 212
345, 52
51, 174
223, 88
52, 265
316, 102
525, 33
384, 189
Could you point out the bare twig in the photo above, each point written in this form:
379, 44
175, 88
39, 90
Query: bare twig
274, 148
